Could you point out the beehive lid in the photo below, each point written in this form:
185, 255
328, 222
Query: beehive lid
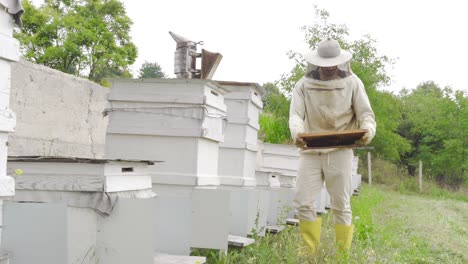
332, 139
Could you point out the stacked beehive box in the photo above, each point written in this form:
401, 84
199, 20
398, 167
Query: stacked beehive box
181, 123
237, 158
88, 211
87, 207
9, 52
282, 161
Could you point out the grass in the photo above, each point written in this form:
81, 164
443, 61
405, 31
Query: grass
274, 129
390, 227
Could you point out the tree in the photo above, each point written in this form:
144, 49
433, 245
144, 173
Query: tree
86, 38
151, 70
435, 122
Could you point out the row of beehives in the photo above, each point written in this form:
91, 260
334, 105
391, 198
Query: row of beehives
214, 181
283, 159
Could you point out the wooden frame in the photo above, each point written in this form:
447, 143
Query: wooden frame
332, 139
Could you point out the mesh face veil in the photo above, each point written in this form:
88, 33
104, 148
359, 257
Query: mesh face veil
344, 70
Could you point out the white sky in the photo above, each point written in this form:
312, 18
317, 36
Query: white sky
428, 38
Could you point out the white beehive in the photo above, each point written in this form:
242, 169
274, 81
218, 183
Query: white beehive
238, 152
180, 122
281, 206
356, 178
9, 52
236, 166
355, 165
190, 217
280, 158
283, 160
245, 100
81, 175
321, 201
356, 181
93, 209
248, 211
238, 159
267, 178
54, 233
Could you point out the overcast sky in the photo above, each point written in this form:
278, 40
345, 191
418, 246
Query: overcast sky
428, 38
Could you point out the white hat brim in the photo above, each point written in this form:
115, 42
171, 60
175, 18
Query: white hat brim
314, 59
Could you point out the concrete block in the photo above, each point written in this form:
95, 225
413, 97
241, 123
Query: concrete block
42, 98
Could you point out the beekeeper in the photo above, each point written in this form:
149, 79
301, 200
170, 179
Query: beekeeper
328, 98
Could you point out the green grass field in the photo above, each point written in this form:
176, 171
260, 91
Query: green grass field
390, 227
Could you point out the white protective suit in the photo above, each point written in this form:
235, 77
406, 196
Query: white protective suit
334, 105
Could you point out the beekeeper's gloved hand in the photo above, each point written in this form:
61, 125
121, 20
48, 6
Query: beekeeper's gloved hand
300, 143
365, 140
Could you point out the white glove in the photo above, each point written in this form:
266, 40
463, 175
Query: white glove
300, 143
365, 140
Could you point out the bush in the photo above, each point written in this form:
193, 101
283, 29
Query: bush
274, 129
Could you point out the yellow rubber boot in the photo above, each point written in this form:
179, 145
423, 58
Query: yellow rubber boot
310, 232
344, 236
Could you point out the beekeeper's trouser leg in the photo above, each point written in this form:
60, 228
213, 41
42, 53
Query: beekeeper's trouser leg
333, 168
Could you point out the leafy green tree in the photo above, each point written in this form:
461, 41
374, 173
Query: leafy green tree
151, 70
86, 38
434, 121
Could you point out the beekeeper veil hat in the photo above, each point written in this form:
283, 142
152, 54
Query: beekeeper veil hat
327, 54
